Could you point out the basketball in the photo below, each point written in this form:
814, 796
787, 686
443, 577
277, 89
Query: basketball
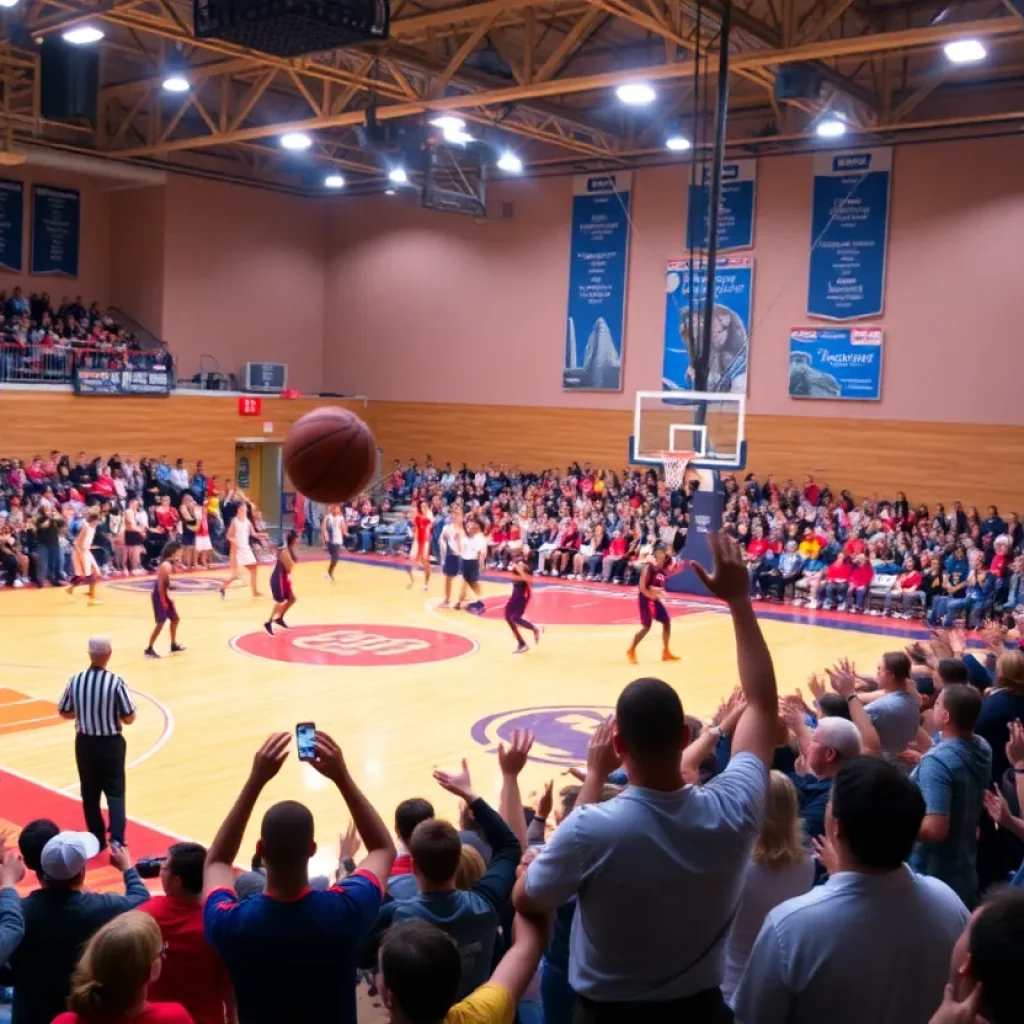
330, 455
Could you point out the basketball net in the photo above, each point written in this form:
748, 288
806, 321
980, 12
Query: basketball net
675, 464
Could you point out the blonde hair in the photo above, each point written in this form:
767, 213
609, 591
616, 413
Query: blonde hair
1010, 671
115, 966
471, 868
780, 844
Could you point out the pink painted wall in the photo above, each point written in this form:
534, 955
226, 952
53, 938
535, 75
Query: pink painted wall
243, 278
433, 307
137, 223
93, 281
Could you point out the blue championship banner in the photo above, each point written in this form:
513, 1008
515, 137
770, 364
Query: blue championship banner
597, 282
849, 233
156, 381
835, 363
56, 215
730, 329
735, 211
12, 224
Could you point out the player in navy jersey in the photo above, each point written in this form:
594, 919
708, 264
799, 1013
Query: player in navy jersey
652, 590
517, 603
281, 583
164, 610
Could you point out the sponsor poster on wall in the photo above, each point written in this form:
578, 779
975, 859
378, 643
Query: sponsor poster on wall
835, 363
730, 328
12, 224
735, 211
56, 214
849, 233
598, 259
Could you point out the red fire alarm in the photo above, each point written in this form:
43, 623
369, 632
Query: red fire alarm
249, 406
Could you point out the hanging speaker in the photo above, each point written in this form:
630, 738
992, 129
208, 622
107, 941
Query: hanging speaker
797, 82
70, 81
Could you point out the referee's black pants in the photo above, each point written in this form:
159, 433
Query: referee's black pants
100, 762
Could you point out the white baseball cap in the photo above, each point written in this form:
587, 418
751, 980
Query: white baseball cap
66, 854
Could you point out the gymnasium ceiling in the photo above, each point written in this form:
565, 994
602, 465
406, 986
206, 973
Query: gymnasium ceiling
538, 76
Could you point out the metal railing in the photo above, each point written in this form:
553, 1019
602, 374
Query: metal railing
56, 364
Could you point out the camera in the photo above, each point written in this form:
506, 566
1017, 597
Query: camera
149, 867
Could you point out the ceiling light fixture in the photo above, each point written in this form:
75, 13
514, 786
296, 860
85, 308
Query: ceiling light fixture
510, 163
295, 141
965, 51
636, 94
448, 123
8, 3
677, 143
389, 192
334, 181
458, 137
176, 82
81, 35
398, 176
830, 127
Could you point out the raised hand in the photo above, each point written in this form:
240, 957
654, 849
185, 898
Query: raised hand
457, 783
328, 759
601, 756
349, 843
823, 849
728, 579
269, 758
120, 858
817, 687
843, 678
996, 806
1015, 745
12, 867
911, 757
792, 713
941, 644
513, 760
546, 801
957, 641
737, 705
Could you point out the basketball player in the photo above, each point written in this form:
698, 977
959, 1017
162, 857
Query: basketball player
281, 583
85, 568
652, 590
204, 546
333, 532
419, 553
240, 533
451, 553
517, 603
163, 607
474, 549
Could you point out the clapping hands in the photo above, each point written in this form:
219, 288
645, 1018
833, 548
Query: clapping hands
457, 783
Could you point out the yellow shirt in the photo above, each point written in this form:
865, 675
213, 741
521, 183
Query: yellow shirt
810, 547
489, 1004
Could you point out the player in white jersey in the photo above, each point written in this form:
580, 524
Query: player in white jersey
450, 543
333, 532
240, 533
474, 551
86, 569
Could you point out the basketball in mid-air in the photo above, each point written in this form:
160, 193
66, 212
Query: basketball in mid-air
330, 455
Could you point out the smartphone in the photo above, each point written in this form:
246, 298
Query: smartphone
304, 740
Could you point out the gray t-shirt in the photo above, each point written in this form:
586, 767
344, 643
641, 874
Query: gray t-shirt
896, 718
658, 878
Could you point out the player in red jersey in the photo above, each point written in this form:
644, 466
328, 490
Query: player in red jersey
281, 583
515, 608
652, 590
422, 526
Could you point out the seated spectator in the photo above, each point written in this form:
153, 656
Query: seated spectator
613, 564
290, 951
110, 983
861, 576
779, 869
192, 973
420, 971
783, 573
59, 918
833, 585
906, 591
408, 814
873, 942
659, 930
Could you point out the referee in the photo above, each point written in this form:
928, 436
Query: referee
99, 703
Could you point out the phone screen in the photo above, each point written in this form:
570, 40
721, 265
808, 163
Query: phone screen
304, 740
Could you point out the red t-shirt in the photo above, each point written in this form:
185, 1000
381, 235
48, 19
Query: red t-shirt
837, 573
193, 974
998, 566
152, 1013
167, 518
855, 546
758, 547
862, 575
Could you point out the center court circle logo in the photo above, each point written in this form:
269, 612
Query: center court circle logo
561, 734
353, 645
180, 585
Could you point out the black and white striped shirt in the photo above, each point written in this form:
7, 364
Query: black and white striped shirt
99, 699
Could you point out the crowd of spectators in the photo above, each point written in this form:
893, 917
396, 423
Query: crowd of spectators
41, 342
798, 858
142, 505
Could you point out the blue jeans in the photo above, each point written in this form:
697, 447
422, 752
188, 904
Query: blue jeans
833, 592
48, 563
558, 998
908, 601
859, 597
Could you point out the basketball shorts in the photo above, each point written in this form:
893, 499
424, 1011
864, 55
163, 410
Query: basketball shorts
281, 586
452, 565
164, 612
651, 611
471, 570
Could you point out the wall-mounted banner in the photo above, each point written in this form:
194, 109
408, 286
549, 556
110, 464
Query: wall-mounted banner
835, 362
597, 282
730, 329
155, 381
12, 224
56, 214
849, 233
735, 211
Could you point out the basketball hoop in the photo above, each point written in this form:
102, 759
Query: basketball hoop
675, 464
